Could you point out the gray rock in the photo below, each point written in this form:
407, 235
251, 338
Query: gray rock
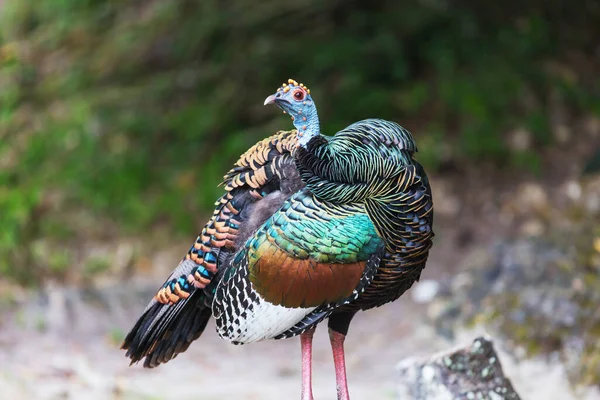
470, 373
538, 297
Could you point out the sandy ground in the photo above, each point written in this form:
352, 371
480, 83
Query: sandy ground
80, 359
77, 366
77, 363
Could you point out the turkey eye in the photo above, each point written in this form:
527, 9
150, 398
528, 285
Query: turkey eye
299, 95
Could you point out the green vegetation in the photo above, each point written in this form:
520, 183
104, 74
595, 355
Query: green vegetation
128, 112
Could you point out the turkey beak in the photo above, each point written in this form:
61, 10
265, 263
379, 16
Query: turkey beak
270, 100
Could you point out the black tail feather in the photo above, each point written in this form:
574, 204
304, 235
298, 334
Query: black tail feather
163, 331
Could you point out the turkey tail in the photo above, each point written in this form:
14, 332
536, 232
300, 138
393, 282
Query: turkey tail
261, 180
165, 330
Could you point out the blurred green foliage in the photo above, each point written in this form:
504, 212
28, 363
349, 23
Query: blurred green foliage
131, 111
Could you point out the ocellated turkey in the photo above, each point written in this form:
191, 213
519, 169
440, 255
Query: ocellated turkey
309, 228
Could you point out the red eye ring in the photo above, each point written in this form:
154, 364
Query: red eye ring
299, 94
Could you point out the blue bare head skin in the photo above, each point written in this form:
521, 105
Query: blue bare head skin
294, 98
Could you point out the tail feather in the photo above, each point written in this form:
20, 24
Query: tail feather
167, 329
164, 331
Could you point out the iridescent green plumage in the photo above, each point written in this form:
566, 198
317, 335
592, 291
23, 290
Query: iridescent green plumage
308, 228
371, 162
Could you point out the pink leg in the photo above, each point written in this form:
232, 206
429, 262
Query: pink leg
337, 345
306, 345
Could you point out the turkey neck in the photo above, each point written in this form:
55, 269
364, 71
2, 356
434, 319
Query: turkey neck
313, 156
308, 129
